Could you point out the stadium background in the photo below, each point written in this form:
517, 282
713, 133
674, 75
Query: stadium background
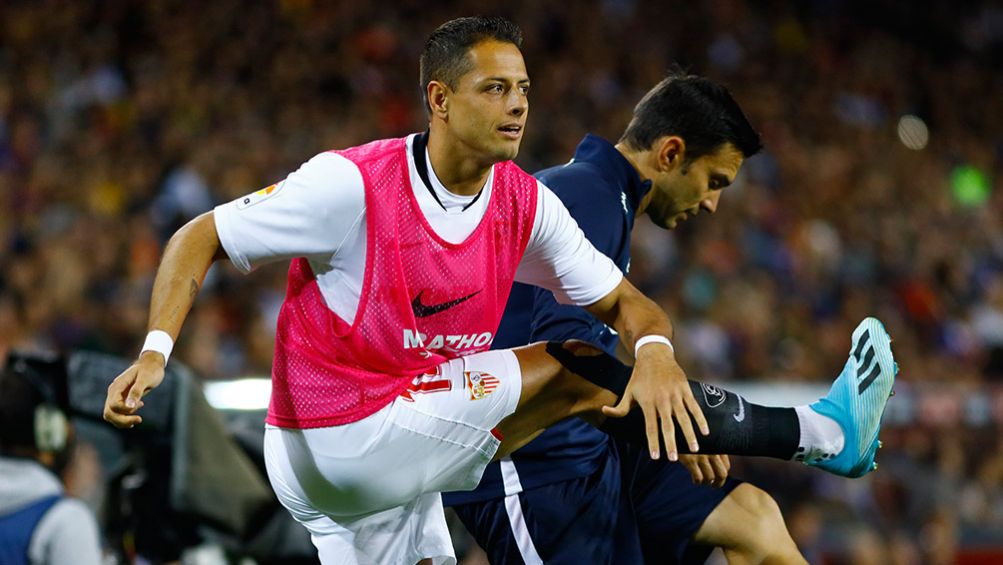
119, 121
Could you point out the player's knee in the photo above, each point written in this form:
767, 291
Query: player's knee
766, 531
757, 501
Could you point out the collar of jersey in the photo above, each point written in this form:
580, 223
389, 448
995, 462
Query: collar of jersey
449, 202
596, 150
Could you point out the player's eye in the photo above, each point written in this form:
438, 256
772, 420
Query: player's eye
495, 88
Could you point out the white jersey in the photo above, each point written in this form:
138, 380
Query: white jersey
319, 212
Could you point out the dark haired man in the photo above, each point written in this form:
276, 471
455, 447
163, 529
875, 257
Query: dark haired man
39, 525
550, 501
383, 391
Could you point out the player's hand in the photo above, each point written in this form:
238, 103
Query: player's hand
125, 394
709, 470
659, 387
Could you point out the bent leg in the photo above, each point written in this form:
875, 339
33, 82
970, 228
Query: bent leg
305, 471
578, 520
667, 507
749, 527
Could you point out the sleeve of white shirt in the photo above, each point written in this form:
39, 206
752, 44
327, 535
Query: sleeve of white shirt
559, 258
309, 214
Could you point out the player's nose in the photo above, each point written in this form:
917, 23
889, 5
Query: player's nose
517, 104
710, 203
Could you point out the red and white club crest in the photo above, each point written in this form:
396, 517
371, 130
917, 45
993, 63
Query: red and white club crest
480, 384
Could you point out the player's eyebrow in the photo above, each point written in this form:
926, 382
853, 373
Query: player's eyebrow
507, 80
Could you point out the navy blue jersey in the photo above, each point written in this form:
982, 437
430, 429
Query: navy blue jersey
602, 190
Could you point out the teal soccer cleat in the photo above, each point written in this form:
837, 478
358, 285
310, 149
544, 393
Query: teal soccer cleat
857, 400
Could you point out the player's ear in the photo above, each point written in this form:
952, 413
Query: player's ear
438, 99
671, 152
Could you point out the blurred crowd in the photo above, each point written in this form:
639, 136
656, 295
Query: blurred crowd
877, 194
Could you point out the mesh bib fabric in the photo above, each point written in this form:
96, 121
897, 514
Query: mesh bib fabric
424, 300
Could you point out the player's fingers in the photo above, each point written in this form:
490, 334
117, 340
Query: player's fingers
685, 425
119, 407
123, 421
621, 409
651, 430
694, 408
117, 392
669, 432
695, 473
727, 462
136, 393
708, 470
720, 470
117, 386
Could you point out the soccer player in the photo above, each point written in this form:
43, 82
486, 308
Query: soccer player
555, 499
403, 253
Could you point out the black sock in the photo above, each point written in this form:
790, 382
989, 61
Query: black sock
737, 427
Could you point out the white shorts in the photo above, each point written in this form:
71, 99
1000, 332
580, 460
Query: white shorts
368, 491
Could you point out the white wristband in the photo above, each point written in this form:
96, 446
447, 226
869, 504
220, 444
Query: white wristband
159, 341
645, 340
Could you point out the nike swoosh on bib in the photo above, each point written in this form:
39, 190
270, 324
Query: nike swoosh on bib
423, 310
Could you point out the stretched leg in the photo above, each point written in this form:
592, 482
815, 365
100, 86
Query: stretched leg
560, 381
748, 526
838, 433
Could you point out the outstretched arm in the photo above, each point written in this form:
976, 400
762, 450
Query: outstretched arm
658, 384
309, 214
187, 258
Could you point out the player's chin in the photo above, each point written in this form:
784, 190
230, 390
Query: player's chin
506, 151
665, 223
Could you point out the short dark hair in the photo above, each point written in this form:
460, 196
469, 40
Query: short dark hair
28, 381
696, 109
18, 400
445, 56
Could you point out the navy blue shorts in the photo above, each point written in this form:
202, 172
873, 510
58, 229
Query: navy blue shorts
630, 510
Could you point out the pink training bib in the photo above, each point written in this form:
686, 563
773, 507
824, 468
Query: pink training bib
424, 300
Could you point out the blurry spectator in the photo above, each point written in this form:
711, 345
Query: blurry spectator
39, 525
939, 537
866, 548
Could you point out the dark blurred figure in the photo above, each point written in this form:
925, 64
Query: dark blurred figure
39, 524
